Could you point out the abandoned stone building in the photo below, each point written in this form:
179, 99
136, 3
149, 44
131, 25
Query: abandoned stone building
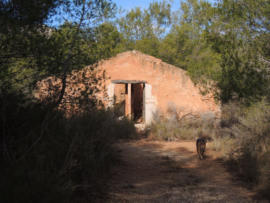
141, 86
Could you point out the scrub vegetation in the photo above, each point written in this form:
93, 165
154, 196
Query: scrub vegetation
49, 157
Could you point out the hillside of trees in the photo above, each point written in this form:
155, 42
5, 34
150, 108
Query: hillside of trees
224, 46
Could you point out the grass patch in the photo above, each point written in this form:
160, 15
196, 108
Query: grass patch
187, 127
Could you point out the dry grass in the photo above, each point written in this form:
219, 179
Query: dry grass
243, 139
46, 157
187, 127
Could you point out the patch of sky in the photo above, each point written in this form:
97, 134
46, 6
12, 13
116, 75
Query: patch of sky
129, 4
122, 5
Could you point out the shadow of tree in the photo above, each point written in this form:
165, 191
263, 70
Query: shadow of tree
150, 172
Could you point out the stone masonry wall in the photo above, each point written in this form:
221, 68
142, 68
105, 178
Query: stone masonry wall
167, 86
171, 86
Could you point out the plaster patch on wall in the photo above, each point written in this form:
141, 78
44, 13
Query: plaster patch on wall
110, 93
150, 103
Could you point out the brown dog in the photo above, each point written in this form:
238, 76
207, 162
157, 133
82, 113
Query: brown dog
201, 145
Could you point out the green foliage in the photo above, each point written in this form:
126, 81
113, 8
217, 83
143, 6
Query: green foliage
67, 49
46, 157
49, 158
226, 43
243, 74
187, 47
22, 37
143, 29
183, 49
244, 140
26, 43
235, 31
177, 46
21, 13
150, 46
108, 41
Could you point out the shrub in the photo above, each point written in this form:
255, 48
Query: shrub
46, 157
187, 127
244, 139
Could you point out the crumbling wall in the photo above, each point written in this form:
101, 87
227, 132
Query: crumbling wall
119, 98
170, 85
84, 90
166, 86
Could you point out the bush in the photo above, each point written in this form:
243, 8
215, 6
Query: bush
244, 139
47, 157
187, 127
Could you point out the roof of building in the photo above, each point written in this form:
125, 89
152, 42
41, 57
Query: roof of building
128, 81
163, 66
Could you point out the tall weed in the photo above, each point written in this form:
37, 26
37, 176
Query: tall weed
244, 139
46, 157
186, 127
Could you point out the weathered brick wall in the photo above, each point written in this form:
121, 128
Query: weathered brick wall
171, 86
83, 90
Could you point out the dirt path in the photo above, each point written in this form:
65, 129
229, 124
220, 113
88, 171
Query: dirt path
171, 172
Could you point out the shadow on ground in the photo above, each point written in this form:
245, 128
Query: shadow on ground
171, 172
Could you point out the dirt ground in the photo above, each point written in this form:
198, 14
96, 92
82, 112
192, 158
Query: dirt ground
152, 171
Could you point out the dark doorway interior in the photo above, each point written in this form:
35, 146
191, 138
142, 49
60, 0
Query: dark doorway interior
128, 99
137, 102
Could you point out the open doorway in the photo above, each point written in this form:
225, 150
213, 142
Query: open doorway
128, 99
137, 102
